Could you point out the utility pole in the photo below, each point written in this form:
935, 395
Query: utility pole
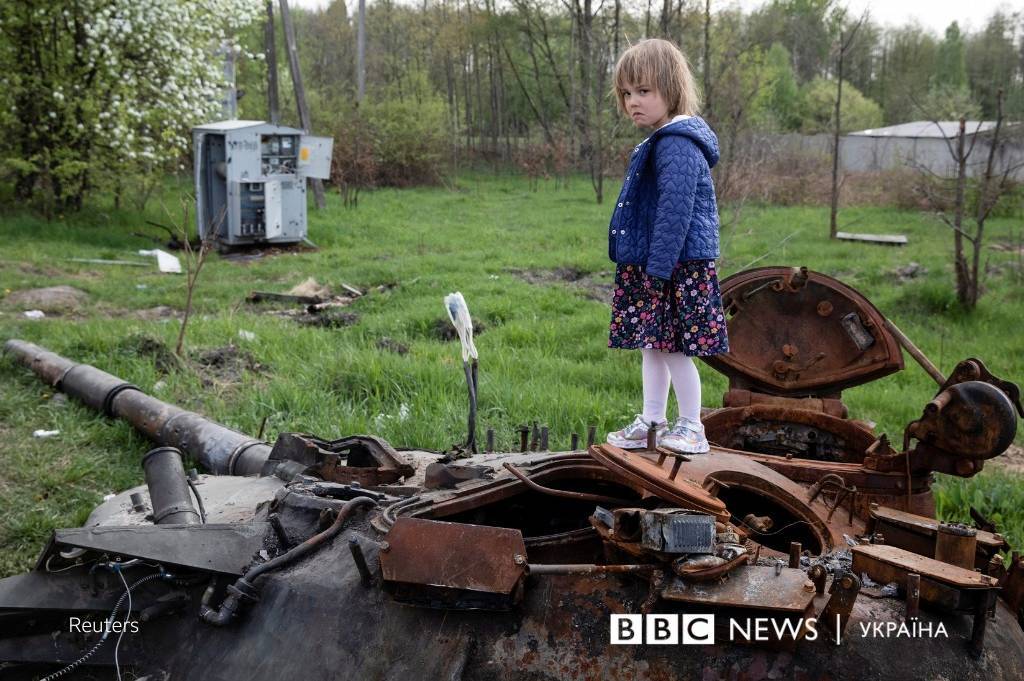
270, 48
300, 91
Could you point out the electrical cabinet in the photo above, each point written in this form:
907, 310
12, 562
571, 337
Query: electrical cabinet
250, 179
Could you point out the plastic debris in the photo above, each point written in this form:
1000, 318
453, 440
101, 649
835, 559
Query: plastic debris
167, 263
246, 335
35, 314
45, 433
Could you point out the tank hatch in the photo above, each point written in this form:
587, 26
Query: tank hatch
798, 333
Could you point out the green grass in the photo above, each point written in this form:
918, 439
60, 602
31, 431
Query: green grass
543, 351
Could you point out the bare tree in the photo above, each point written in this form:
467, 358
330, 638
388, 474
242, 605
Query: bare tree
194, 260
992, 186
846, 39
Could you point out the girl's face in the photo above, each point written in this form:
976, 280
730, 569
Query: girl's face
645, 106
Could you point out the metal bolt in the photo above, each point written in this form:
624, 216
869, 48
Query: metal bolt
574, 442
778, 567
544, 438
591, 435
490, 440
385, 547
519, 560
137, 503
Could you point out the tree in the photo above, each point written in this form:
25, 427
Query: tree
778, 100
949, 194
950, 63
857, 112
105, 89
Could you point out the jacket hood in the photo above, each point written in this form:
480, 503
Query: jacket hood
699, 132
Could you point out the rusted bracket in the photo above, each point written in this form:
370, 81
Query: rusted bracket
836, 614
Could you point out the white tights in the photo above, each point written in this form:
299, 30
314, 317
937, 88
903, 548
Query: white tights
658, 368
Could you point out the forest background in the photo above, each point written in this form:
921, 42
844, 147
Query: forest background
99, 94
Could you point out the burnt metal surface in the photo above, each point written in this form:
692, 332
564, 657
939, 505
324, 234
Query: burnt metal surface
973, 420
881, 561
802, 333
756, 587
442, 564
365, 459
917, 533
676, 531
226, 549
782, 430
655, 477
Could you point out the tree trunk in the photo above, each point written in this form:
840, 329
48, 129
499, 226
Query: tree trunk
832, 227
707, 59
361, 53
986, 201
959, 261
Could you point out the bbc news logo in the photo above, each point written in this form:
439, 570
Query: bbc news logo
699, 629
663, 629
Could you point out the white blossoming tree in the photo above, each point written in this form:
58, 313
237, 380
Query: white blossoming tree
96, 92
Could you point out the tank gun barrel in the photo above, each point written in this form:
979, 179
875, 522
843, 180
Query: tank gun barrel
218, 448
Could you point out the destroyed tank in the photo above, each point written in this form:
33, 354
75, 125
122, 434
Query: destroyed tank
802, 546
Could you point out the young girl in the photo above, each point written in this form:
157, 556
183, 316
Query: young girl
664, 238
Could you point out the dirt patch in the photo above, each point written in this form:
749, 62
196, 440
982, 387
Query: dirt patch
908, 272
1012, 460
226, 364
593, 285
444, 330
329, 318
391, 345
157, 313
54, 299
243, 255
142, 345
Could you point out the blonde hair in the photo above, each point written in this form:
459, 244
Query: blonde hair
662, 67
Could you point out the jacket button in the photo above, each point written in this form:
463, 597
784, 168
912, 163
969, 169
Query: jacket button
627, 203
613, 231
620, 205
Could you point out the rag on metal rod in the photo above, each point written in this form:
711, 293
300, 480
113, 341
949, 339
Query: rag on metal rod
458, 313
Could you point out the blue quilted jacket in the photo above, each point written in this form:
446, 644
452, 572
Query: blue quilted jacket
666, 211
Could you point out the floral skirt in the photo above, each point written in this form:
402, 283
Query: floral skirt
683, 314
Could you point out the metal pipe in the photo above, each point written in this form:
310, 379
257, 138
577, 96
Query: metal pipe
582, 496
360, 560
168, 488
916, 353
218, 448
585, 569
244, 588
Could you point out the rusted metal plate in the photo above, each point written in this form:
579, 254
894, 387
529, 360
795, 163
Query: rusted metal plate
870, 556
749, 586
645, 471
927, 527
797, 332
453, 557
225, 548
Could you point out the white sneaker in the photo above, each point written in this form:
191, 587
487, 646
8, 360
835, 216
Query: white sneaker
634, 436
685, 436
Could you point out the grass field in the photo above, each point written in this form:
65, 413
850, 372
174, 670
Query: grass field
532, 266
